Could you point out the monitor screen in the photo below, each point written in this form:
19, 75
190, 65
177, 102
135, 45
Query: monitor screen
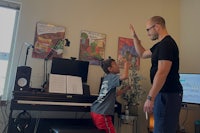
191, 87
70, 67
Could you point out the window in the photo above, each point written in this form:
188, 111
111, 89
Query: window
9, 13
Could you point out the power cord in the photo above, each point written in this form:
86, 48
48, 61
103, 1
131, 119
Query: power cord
37, 122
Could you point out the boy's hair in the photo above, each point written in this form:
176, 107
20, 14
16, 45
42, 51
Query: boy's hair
106, 63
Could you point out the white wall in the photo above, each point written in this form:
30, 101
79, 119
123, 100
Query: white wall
190, 40
110, 17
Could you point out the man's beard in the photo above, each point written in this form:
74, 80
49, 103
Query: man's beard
154, 37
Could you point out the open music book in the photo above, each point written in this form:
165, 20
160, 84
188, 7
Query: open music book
65, 84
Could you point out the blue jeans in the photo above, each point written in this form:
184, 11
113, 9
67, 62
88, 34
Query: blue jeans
166, 112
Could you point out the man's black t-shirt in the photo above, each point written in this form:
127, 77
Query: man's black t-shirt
167, 50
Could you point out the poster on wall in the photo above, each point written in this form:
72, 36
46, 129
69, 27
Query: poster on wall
126, 51
47, 39
92, 47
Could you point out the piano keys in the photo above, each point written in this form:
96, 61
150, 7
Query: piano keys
36, 100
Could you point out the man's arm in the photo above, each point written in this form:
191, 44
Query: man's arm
139, 48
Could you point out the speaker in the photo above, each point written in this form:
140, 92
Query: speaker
22, 80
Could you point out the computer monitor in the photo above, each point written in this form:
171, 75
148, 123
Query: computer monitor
70, 67
191, 87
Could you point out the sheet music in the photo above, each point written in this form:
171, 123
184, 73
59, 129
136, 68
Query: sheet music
57, 83
65, 84
74, 85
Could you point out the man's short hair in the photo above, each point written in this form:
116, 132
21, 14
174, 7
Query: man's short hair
158, 20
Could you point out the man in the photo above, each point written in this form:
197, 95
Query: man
165, 96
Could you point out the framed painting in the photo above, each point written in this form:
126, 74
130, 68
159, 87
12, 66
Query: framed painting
92, 47
126, 51
46, 37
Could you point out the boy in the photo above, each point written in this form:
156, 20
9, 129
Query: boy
102, 109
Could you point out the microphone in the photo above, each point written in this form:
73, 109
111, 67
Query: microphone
29, 45
27, 49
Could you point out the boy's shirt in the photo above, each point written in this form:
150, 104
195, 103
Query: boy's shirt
105, 102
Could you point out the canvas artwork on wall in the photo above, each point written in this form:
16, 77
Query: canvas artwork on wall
92, 47
126, 50
46, 37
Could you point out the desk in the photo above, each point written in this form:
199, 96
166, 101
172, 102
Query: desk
124, 119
